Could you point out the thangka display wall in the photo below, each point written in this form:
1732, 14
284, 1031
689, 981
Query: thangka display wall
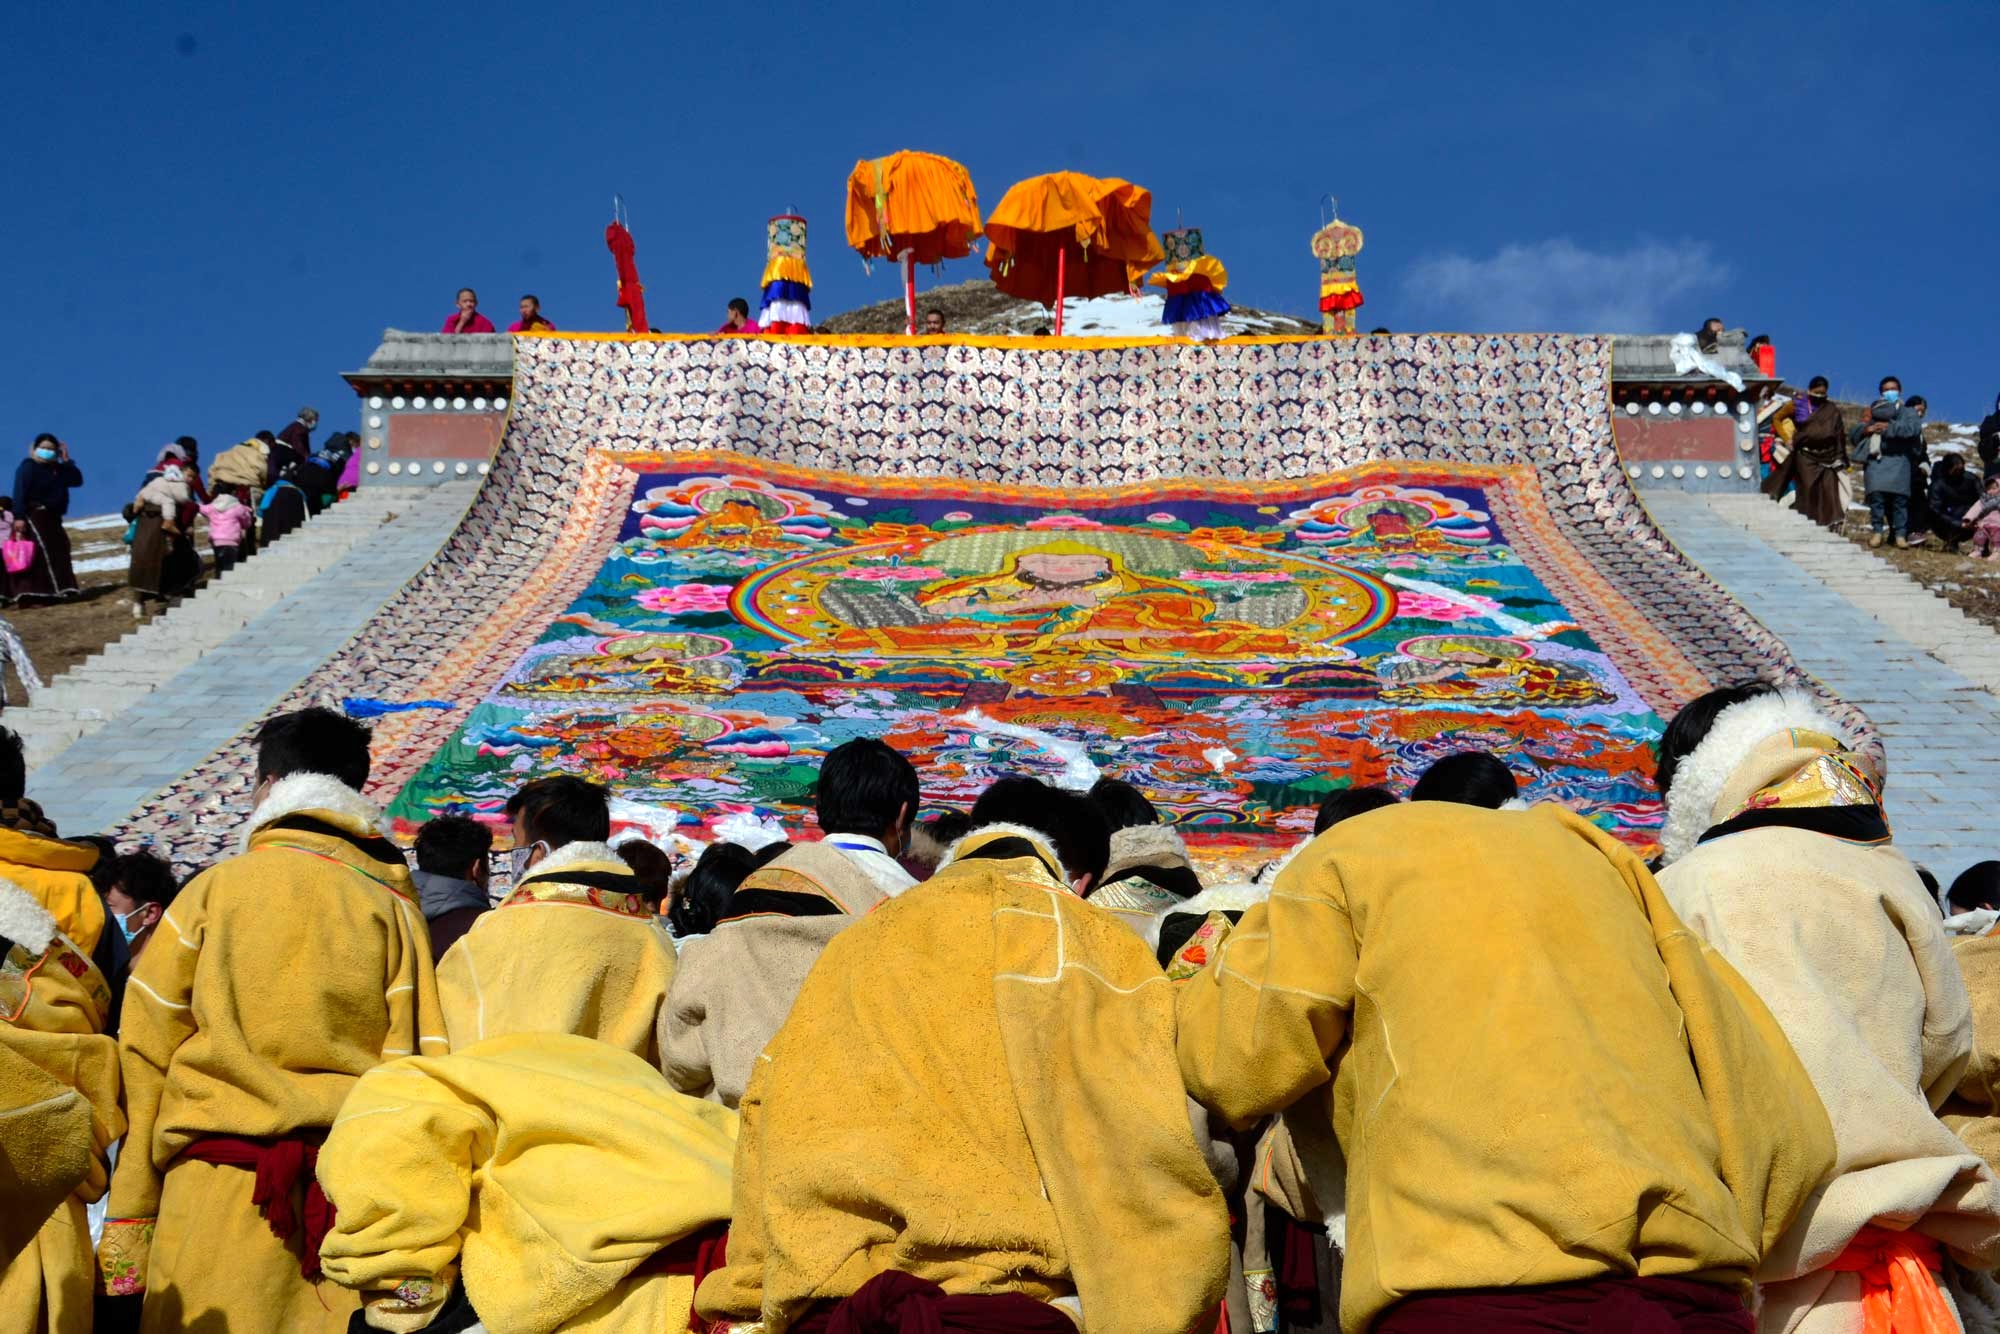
1238, 574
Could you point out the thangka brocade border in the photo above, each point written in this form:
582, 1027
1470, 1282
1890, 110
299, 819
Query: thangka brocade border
1105, 413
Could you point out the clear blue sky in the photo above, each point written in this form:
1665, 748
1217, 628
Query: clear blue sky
212, 210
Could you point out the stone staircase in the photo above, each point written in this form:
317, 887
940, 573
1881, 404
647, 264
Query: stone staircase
127, 671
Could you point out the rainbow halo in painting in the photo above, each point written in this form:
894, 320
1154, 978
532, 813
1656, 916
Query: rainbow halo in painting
1237, 650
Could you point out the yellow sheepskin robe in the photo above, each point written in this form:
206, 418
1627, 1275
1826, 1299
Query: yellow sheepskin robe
1973, 1111
733, 987
976, 1086
56, 873
58, 1113
1538, 1074
550, 1169
574, 949
275, 981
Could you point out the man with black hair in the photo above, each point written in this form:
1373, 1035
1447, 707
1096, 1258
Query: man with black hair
1470, 778
866, 798
282, 976
574, 947
739, 321
54, 871
1350, 802
453, 855
139, 889
1977, 887
1073, 827
1054, 1147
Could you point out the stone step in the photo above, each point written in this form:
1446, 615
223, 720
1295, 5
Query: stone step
140, 664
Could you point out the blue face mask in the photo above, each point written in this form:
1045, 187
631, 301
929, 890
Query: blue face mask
45, 455
127, 927
1892, 395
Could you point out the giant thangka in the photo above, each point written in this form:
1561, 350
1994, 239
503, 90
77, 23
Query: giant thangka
1239, 574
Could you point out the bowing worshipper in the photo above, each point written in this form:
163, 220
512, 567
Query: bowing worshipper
1775, 852
280, 977
1470, 778
733, 987
59, 1112
1148, 872
526, 1184
865, 800
574, 947
1618, 1165
973, 1108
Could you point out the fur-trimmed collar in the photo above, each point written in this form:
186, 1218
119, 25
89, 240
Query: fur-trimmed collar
318, 795
1235, 896
1145, 845
1708, 768
572, 855
924, 846
986, 833
24, 920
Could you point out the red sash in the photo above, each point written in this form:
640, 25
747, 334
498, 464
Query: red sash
1629, 1305
281, 1165
898, 1303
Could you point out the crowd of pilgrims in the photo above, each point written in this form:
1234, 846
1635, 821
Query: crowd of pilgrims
1455, 1063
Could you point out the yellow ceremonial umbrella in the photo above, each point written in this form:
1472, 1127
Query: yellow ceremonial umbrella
1066, 234
916, 208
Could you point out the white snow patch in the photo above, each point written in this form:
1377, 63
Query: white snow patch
98, 564
1122, 316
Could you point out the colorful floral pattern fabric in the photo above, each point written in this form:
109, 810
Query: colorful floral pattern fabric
1228, 646
593, 415
123, 1255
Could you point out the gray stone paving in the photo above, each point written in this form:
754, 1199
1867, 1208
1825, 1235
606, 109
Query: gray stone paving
104, 776
1924, 672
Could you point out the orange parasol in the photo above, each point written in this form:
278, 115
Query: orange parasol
1066, 234
916, 208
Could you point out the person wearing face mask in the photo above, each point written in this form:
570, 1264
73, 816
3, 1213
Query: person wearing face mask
1819, 456
1891, 443
138, 889
575, 947
285, 973
41, 499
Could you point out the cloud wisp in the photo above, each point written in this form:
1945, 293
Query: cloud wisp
1559, 285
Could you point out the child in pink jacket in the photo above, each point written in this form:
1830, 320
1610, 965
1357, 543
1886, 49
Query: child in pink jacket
228, 519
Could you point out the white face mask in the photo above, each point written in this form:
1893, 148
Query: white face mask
518, 858
128, 924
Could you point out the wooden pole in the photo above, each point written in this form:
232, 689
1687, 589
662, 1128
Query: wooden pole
1062, 274
910, 288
